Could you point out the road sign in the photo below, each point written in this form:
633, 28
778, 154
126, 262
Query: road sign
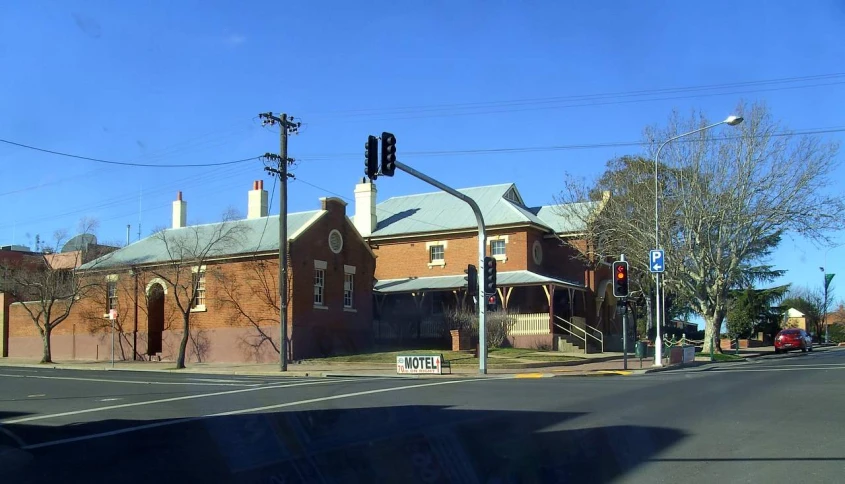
419, 364
656, 261
112, 314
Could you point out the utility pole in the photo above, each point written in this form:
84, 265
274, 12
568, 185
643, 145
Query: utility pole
287, 126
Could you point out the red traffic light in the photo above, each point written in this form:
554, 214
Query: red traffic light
620, 285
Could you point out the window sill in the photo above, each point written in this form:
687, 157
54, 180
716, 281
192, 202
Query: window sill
350, 310
199, 309
321, 306
501, 258
437, 263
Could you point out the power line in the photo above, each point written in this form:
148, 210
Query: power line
124, 163
388, 212
267, 218
216, 176
540, 103
529, 149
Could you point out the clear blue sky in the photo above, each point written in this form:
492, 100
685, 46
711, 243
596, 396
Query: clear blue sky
182, 82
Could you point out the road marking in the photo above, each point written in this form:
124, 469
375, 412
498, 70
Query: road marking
35, 395
240, 412
134, 382
153, 402
213, 380
803, 368
528, 375
110, 399
14, 437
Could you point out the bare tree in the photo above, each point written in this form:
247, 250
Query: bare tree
726, 199
48, 286
257, 280
188, 249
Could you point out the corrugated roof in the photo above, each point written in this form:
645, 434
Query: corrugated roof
565, 220
440, 211
445, 283
258, 235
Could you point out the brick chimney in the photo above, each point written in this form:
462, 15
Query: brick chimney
365, 207
257, 200
180, 212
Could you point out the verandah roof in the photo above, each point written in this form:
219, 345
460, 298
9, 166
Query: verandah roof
445, 283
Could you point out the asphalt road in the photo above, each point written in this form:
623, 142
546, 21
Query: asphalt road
776, 419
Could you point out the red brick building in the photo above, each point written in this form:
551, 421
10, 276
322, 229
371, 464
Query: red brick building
425, 242
234, 313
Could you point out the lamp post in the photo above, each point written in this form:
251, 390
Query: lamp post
660, 299
826, 281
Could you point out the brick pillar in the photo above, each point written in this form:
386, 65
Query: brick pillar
5, 300
460, 340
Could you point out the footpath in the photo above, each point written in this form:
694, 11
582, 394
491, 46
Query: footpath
594, 365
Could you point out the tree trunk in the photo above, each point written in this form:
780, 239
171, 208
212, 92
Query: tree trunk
712, 328
47, 357
183, 344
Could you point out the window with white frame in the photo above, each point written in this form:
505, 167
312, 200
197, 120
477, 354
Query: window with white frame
319, 286
348, 285
198, 284
436, 253
111, 295
497, 247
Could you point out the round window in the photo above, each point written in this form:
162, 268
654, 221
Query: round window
335, 241
537, 252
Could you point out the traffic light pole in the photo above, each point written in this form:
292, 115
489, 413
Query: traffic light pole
624, 326
482, 246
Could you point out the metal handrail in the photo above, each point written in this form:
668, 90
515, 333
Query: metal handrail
582, 338
574, 335
600, 339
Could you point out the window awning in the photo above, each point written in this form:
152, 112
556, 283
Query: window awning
448, 283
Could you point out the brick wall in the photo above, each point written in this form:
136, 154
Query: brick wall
332, 328
241, 303
410, 258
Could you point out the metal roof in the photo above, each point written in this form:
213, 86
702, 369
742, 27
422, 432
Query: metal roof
445, 283
258, 235
568, 219
439, 211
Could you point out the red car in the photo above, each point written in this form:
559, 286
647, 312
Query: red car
793, 339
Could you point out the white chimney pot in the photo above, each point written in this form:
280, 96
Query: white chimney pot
180, 212
257, 201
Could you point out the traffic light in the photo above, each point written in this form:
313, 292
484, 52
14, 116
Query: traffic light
388, 154
491, 302
489, 276
620, 279
472, 280
371, 157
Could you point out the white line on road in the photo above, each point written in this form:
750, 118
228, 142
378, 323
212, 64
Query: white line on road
789, 368
240, 412
14, 437
217, 380
153, 402
135, 382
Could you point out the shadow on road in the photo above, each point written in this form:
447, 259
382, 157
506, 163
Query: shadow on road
404, 444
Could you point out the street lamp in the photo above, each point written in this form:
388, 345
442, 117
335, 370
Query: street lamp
658, 304
826, 285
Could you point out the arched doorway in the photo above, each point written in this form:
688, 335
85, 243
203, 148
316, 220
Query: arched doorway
155, 318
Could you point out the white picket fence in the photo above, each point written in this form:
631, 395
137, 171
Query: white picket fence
435, 327
527, 324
